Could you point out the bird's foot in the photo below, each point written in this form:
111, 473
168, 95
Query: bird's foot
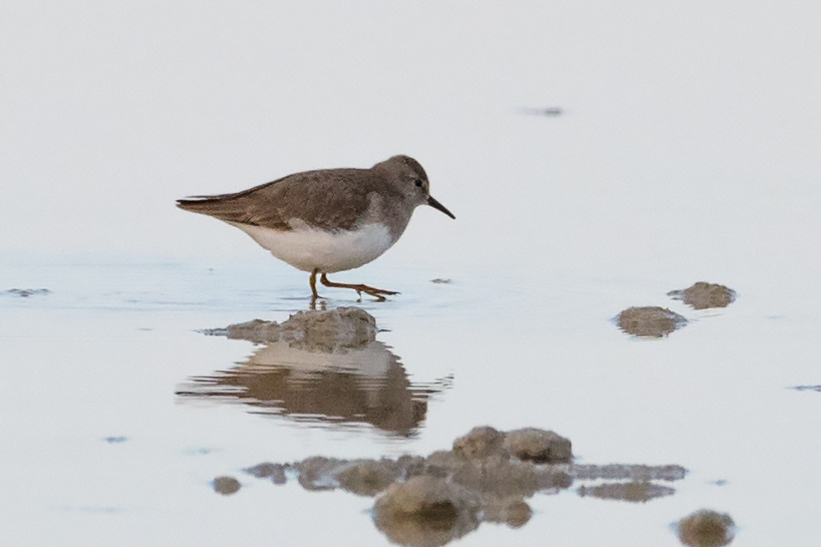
379, 294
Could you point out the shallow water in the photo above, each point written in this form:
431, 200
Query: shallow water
686, 150
104, 446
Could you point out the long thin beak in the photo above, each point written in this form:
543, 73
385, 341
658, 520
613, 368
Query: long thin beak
436, 205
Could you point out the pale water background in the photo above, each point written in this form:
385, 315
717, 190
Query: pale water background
689, 148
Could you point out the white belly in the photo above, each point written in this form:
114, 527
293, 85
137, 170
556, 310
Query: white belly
308, 249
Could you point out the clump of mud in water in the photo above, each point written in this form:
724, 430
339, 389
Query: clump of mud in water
225, 485
274, 471
706, 528
481, 442
426, 511
324, 331
650, 321
704, 295
486, 477
369, 477
538, 446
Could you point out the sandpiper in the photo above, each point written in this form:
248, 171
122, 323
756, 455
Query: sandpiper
329, 220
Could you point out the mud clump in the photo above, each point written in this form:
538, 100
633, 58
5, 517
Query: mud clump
328, 331
650, 321
538, 446
706, 528
480, 442
486, 477
369, 477
225, 485
704, 295
497, 477
362, 477
426, 511
318, 473
274, 471
427, 497
528, 444
514, 513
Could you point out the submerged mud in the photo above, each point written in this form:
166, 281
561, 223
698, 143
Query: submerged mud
487, 476
703, 295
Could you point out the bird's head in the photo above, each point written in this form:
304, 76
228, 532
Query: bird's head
408, 177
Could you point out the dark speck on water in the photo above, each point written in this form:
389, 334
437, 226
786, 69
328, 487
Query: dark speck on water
25, 293
115, 440
550, 111
807, 388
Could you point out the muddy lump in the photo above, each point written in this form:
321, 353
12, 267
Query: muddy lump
650, 321
703, 295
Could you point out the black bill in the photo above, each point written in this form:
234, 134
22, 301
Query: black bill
436, 205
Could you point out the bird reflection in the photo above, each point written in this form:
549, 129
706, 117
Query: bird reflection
357, 383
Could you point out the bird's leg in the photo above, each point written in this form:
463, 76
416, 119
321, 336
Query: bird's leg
314, 294
376, 293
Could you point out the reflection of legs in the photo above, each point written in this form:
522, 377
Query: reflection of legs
376, 293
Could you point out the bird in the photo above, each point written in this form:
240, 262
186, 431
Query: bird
329, 220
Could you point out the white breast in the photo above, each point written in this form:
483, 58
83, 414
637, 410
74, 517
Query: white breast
307, 248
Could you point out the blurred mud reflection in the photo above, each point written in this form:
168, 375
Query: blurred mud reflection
320, 366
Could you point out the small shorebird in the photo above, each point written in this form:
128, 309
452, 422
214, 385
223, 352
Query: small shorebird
329, 220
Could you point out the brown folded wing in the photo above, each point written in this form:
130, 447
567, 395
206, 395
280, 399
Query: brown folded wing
328, 199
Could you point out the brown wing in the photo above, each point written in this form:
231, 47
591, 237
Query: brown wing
329, 199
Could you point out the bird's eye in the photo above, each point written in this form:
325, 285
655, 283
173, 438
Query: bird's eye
418, 183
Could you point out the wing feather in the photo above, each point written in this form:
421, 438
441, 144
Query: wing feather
327, 199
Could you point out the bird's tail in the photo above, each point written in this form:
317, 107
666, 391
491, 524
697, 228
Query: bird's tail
199, 204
